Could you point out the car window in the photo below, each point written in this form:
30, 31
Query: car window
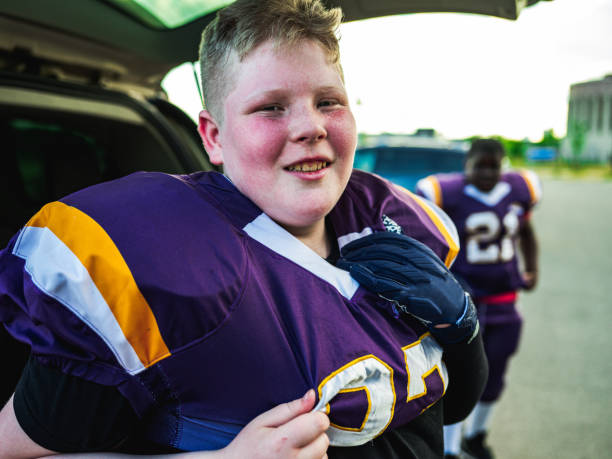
49, 152
165, 14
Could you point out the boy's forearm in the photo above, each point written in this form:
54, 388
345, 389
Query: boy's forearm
528, 246
196, 454
468, 368
15, 444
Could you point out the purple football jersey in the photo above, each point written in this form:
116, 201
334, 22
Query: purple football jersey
487, 224
204, 312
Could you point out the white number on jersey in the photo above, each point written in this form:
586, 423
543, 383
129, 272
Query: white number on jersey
483, 243
375, 377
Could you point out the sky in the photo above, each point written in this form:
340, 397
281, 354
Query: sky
464, 74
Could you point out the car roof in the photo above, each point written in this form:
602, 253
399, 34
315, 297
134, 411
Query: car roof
120, 41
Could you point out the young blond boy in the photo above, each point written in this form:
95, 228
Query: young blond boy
181, 313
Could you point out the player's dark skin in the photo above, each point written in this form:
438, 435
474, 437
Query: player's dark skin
483, 170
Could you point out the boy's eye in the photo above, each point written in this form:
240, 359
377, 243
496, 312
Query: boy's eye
328, 103
271, 108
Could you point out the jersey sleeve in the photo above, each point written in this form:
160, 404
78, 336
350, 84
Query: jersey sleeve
64, 288
443, 229
429, 188
372, 203
534, 188
109, 282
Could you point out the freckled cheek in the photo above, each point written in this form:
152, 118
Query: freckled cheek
343, 133
263, 140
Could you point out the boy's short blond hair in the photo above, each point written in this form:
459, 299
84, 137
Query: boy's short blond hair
245, 24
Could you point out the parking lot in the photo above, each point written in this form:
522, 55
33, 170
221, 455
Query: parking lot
558, 402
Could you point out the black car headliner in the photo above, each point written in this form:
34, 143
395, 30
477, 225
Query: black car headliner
97, 34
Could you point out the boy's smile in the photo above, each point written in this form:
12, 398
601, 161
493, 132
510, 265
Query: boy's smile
288, 135
310, 166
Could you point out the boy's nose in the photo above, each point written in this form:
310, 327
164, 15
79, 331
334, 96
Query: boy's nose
307, 126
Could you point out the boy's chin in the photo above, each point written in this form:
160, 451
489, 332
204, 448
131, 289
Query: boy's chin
485, 185
302, 220
485, 188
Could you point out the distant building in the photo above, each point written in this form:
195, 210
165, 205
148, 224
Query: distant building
589, 121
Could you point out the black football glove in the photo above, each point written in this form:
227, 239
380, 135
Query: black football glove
415, 281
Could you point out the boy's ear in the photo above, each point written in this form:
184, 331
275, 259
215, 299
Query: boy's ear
209, 132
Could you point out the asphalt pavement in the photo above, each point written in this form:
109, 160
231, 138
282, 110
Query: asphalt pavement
558, 400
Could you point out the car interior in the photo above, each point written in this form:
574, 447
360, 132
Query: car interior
59, 138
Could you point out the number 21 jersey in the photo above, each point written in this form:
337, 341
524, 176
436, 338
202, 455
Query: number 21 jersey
488, 224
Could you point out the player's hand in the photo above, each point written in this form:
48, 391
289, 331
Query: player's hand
415, 281
530, 279
289, 430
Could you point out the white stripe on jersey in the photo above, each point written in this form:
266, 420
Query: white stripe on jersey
426, 186
534, 184
266, 231
490, 198
449, 225
445, 225
57, 272
350, 237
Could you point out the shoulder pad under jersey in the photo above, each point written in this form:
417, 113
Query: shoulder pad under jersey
525, 185
441, 188
120, 263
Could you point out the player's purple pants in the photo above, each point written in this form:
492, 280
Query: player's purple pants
501, 330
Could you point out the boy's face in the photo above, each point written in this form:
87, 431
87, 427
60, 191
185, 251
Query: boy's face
288, 136
483, 170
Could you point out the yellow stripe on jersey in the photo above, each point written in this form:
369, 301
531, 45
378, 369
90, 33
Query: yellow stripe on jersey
435, 185
110, 274
532, 184
453, 243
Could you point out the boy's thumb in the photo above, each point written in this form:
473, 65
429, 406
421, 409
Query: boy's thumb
285, 412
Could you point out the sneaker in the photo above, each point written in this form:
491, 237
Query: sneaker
460, 455
476, 447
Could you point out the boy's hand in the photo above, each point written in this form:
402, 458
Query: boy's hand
289, 430
412, 277
530, 279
